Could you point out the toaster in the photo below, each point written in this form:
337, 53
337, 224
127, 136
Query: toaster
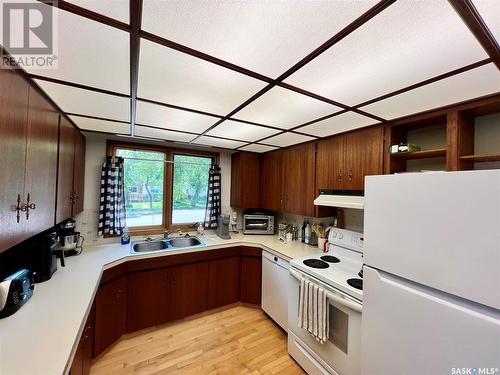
15, 291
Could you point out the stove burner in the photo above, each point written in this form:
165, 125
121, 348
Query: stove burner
316, 263
356, 283
330, 259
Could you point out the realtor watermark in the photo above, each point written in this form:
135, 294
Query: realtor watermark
474, 370
28, 35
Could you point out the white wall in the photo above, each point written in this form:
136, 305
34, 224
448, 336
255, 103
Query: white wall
94, 157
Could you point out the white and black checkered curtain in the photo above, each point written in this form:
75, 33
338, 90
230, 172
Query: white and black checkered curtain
213, 209
112, 206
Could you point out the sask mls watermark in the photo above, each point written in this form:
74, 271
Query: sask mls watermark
28, 35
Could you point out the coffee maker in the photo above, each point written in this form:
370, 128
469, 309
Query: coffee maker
223, 227
70, 241
43, 256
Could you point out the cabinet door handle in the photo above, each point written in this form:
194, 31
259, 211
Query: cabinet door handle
350, 175
29, 206
19, 207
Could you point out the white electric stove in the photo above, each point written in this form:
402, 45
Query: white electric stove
338, 271
339, 267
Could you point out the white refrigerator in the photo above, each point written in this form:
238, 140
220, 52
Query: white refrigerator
431, 290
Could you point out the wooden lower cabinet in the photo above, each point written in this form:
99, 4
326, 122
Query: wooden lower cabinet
147, 299
250, 279
110, 313
130, 301
187, 289
223, 281
85, 350
169, 293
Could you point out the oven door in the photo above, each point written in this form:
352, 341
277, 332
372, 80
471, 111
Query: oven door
256, 224
342, 351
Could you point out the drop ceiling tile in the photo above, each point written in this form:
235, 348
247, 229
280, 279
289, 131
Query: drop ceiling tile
104, 126
239, 31
258, 148
285, 109
337, 124
165, 117
217, 142
468, 85
288, 139
173, 77
241, 131
89, 53
408, 42
86, 102
166, 135
117, 9
489, 10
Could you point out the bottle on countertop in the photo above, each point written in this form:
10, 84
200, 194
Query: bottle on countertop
125, 238
303, 232
307, 233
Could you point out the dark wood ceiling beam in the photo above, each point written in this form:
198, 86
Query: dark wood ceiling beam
358, 22
82, 12
330, 101
203, 56
400, 91
96, 118
77, 85
472, 19
135, 27
426, 82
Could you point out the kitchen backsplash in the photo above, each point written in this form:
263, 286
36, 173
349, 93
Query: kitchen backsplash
353, 219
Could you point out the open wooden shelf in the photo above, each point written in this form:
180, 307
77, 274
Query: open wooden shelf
436, 153
482, 157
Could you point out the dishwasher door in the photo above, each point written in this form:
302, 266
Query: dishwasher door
275, 292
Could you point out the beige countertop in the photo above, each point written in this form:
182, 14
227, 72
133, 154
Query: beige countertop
42, 336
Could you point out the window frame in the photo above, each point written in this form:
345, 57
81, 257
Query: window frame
168, 182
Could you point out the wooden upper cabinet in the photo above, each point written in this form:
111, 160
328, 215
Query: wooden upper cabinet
13, 115
41, 163
298, 182
270, 180
364, 156
245, 180
78, 173
330, 163
67, 134
343, 161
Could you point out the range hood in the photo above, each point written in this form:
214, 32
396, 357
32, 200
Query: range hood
341, 198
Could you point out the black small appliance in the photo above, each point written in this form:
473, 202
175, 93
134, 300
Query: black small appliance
15, 291
44, 256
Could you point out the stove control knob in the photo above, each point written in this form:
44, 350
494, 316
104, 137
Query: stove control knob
341, 236
334, 234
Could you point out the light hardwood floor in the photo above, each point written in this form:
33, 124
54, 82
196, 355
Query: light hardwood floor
235, 340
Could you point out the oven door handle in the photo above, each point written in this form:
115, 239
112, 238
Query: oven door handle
333, 297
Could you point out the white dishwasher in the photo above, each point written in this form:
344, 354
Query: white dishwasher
275, 274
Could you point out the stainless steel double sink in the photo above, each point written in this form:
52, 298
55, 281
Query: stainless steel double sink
176, 243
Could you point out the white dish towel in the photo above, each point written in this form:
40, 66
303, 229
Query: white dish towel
313, 310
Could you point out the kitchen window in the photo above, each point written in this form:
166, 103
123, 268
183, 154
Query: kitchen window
189, 188
165, 189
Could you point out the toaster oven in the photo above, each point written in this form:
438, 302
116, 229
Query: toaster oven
258, 223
